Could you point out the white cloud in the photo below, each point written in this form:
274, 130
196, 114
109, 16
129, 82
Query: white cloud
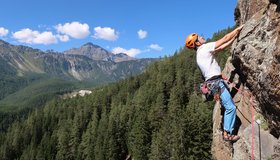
105, 33
155, 47
142, 34
34, 37
74, 29
3, 32
131, 52
63, 38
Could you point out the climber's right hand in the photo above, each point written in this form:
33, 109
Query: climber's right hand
239, 28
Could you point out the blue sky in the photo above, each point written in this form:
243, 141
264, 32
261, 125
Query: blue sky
140, 28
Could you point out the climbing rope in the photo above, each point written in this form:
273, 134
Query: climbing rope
249, 95
253, 130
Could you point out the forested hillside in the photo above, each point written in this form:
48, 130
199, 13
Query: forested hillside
156, 115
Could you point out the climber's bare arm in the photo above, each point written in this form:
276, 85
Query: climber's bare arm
228, 37
223, 46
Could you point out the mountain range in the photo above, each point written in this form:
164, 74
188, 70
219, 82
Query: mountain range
90, 65
87, 63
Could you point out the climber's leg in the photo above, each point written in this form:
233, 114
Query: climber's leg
230, 109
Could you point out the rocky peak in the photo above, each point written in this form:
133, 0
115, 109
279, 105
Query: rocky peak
96, 52
255, 68
90, 45
4, 46
7, 48
122, 57
3, 43
90, 50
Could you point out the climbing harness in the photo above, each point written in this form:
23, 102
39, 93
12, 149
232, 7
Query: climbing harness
211, 89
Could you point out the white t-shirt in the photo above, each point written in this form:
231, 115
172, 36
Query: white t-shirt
206, 61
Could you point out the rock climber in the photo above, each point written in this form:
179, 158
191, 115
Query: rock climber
211, 71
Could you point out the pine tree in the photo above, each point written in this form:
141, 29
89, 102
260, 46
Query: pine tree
140, 137
198, 128
63, 136
101, 147
86, 147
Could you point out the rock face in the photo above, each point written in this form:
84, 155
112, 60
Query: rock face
256, 54
255, 69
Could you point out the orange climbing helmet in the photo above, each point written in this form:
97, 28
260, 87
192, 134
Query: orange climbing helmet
190, 40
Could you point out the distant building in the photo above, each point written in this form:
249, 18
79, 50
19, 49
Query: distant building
84, 92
